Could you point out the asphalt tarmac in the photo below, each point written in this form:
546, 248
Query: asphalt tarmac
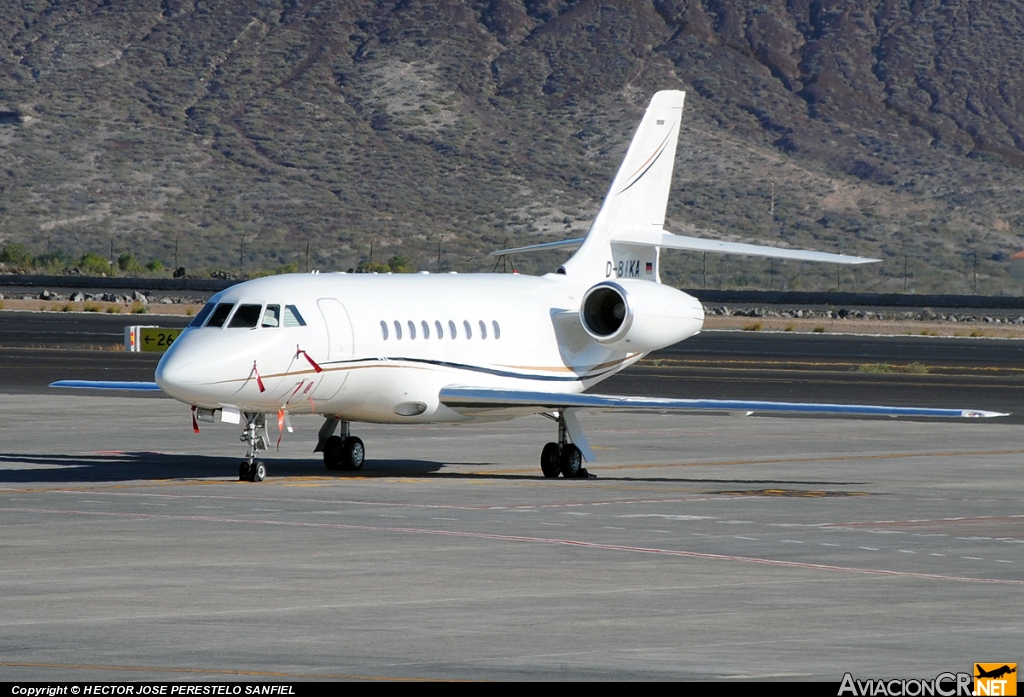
708, 547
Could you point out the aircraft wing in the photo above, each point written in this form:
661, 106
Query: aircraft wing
108, 385
480, 400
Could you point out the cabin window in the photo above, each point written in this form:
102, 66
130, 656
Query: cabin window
451, 330
483, 330
203, 314
220, 314
426, 329
272, 316
412, 329
398, 330
497, 329
440, 331
246, 317
468, 327
292, 318
384, 329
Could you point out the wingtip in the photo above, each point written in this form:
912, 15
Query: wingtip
979, 414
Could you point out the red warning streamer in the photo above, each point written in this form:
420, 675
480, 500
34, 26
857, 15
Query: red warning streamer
195, 421
259, 380
300, 352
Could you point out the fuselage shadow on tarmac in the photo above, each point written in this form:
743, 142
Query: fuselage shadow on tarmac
136, 466
121, 467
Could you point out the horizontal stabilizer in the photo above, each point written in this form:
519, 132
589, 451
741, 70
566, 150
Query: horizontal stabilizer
108, 385
481, 399
697, 244
564, 244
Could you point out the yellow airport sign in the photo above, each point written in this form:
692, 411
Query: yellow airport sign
153, 339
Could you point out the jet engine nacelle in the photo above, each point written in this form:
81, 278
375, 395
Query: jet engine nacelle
638, 316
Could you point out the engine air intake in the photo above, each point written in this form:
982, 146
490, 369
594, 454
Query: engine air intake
604, 310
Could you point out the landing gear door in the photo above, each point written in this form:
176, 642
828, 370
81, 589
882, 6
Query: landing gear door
340, 347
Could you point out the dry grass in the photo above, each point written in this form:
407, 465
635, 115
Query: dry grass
913, 368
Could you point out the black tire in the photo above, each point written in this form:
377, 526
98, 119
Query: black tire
571, 461
549, 462
243, 472
259, 471
352, 454
332, 453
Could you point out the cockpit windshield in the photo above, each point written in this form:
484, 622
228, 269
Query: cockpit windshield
292, 318
246, 317
220, 314
203, 314
272, 317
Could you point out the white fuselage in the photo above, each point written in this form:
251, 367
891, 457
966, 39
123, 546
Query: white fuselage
386, 344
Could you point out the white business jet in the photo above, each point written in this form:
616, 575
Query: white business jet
457, 348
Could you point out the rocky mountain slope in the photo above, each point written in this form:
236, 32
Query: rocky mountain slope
242, 133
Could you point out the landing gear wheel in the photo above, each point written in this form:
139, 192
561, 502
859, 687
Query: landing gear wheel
571, 461
352, 454
252, 471
332, 453
549, 463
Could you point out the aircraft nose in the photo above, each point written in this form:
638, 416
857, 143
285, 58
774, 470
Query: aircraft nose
173, 373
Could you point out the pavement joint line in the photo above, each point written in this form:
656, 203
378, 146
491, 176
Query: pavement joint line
824, 458
537, 540
394, 504
851, 366
924, 521
213, 671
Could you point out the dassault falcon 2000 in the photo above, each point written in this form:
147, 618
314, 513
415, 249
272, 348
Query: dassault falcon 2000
429, 348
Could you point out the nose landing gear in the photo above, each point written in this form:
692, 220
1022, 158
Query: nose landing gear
255, 437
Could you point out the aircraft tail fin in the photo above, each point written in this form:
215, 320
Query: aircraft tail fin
626, 237
635, 204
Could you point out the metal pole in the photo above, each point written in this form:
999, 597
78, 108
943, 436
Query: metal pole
839, 273
906, 255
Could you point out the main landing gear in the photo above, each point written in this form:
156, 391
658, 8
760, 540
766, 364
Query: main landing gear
255, 437
341, 452
563, 457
